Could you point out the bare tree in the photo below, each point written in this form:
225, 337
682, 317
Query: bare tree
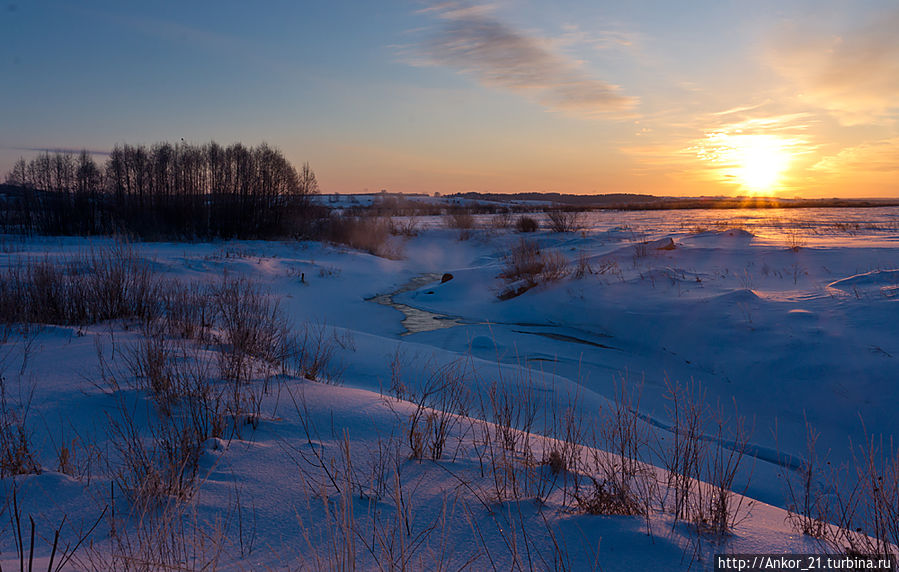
308, 185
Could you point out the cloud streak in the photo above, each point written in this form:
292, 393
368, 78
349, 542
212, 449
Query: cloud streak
70, 150
874, 157
472, 40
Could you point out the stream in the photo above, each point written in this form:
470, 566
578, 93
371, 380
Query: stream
416, 320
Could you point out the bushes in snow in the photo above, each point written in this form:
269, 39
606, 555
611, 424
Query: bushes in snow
563, 220
369, 233
526, 224
526, 262
17, 456
106, 284
853, 508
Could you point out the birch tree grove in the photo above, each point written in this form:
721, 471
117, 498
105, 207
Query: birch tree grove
165, 190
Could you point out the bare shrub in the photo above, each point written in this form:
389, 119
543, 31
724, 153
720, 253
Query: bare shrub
388, 534
122, 285
641, 250
807, 506
439, 402
683, 456
151, 362
501, 220
188, 311
555, 267
567, 449
867, 500
462, 220
528, 263
563, 220
200, 403
583, 268
524, 262
252, 328
605, 497
403, 226
555, 461
17, 456
370, 234
111, 283
794, 239
157, 467
718, 509
309, 353
167, 538
625, 486
46, 294
701, 476
526, 224
511, 407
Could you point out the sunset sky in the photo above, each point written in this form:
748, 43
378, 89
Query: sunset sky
575, 96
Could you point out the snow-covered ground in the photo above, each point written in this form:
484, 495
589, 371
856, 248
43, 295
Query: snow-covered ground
786, 319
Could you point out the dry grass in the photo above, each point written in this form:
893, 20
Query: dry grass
525, 223
17, 453
462, 220
528, 263
808, 510
501, 220
852, 508
583, 267
106, 284
702, 458
367, 233
403, 226
563, 220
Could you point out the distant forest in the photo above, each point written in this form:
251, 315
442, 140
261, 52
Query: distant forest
165, 190
625, 201
601, 200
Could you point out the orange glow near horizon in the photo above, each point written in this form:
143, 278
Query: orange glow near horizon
756, 162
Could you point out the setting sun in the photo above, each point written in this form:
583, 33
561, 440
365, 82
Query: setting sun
762, 161
756, 162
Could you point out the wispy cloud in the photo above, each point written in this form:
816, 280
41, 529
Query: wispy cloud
472, 40
734, 146
874, 157
72, 150
853, 75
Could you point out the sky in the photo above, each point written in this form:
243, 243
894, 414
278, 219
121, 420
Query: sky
574, 96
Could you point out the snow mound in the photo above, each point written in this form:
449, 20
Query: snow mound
736, 233
887, 281
661, 244
802, 314
483, 343
730, 234
741, 295
667, 274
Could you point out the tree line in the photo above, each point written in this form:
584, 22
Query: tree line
165, 190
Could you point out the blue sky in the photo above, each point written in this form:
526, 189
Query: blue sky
789, 98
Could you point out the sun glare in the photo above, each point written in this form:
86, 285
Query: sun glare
761, 161
756, 162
